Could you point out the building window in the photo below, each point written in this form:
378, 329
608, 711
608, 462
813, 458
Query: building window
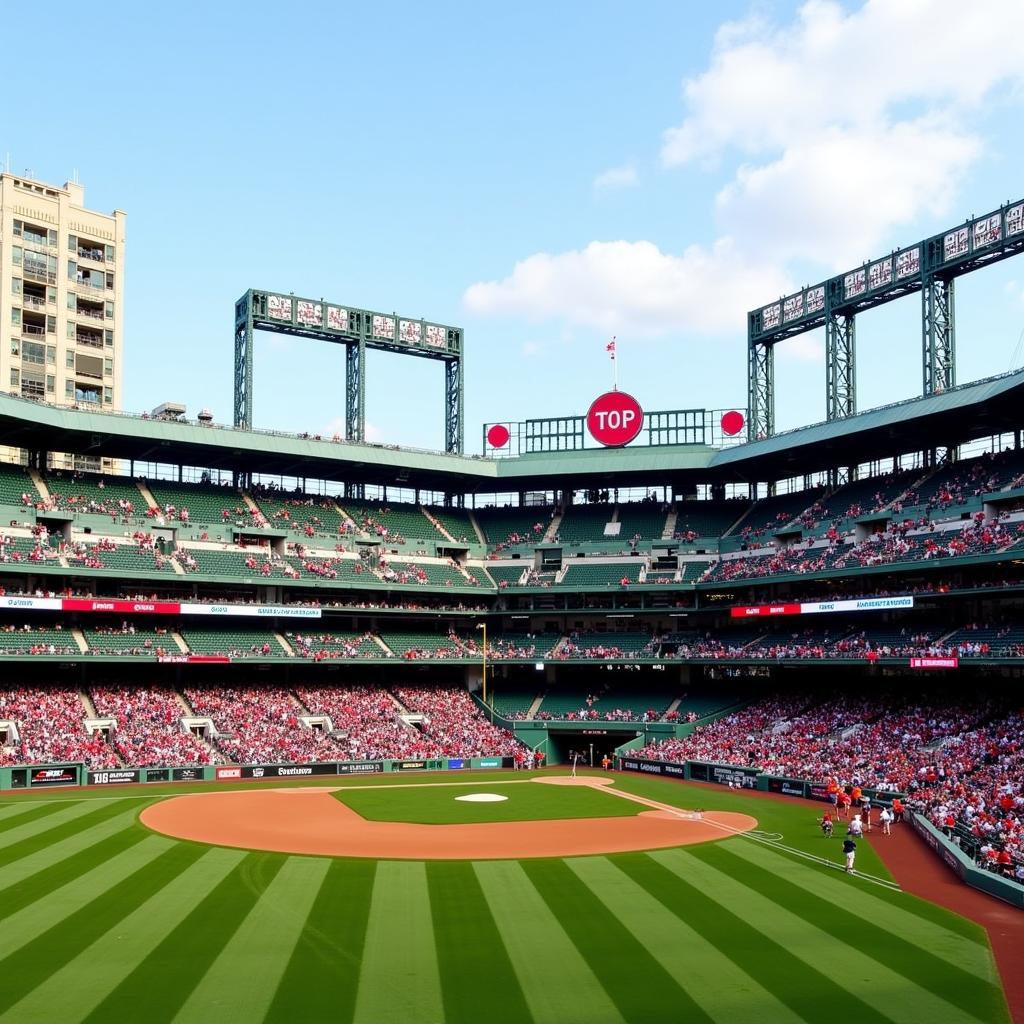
15, 347
15, 317
72, 243
108, 310
33, 352
15, 378
72, 270
110, 281
51, 355
109, 251
15, 285
108, 367
16, 255
32, 385
69, 389
51, 325
108, 338
69, 360
70, 330
51, 384
17, 229
51, 296
108, 396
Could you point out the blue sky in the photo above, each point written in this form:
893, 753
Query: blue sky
543, 175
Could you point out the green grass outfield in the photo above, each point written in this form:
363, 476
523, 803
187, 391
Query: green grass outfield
437, 804
102, 920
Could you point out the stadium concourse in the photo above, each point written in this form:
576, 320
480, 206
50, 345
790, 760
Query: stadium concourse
802, 607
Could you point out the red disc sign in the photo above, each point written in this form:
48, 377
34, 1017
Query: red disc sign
498, 435
732, 423
614, 419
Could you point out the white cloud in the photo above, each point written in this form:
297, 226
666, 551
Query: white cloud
836, 129
617, 177
850, 124
615, 285
336, 428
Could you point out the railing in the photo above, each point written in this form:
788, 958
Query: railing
91, 254
32, 329
33, 302
88, 342
92, 314
39, 276
85, 282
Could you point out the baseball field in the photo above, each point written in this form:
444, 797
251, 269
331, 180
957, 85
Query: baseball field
111, 910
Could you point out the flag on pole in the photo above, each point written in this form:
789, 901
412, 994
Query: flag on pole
610, 348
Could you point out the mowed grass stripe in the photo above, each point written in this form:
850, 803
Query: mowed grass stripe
900, 941
161, 981
33, 962
640, 987
63, 854
321, 978
13, 816
72, 991
474, 966
399, 981
557, 982
32, 835
241, 982
900, 998
713, 980
794, 980
940, 931
98, 878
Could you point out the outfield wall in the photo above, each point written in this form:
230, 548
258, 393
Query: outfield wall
964, 867
20, 777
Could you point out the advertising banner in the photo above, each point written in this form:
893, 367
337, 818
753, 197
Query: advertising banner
740, 778
360, 767
636, 764
409, 766
114, 777
787, 787
58, 775
191, 775
491, 762
257, 611
287, 771
158, 775
115, 606
935, 662
224, 772
861, 604
455, 763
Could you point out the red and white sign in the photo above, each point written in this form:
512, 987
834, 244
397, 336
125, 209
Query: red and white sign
227, 773
194, 659
934, 662
614, 419
858, 604
732, 423
119, 607
498, 435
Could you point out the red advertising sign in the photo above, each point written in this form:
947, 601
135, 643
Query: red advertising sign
614, 419
194, 659
227, 773
934, 662
759, 610
79, 604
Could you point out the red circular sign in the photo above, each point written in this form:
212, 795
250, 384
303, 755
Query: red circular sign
498, 435
732, 423
614, 419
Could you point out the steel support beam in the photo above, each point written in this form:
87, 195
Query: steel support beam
355, 392
761, 390
938, 329
453, 439
840, 366
243, 362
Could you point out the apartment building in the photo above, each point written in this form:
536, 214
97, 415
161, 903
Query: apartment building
61, 296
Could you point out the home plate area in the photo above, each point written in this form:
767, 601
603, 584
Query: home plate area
434, 821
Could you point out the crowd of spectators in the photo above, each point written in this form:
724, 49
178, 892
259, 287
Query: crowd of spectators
453, 726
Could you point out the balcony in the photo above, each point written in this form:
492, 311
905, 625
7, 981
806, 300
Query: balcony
88, 252
33, 331
38, 273
92, 314
33, 302
89, 341
96, 284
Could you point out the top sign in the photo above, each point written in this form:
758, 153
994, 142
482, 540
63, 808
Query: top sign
615, 419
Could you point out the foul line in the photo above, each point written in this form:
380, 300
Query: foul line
754, 837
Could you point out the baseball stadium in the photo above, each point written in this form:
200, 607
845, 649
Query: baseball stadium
632, 716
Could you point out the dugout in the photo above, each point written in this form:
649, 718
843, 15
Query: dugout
588, 742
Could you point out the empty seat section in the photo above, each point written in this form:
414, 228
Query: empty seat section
413, 645
393, 522
645, 520
37, 640
609, 646
297, 512
506, 575
120, 557
205, 503
706, 518
513, 526
769, 515
233, 643
249, 564
326, 646
513, 702
102, 495
15, 484
588, 573
583, 524
139, 642
456, 522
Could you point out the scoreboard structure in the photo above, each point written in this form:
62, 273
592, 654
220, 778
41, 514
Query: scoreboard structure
930, 267
358, 330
